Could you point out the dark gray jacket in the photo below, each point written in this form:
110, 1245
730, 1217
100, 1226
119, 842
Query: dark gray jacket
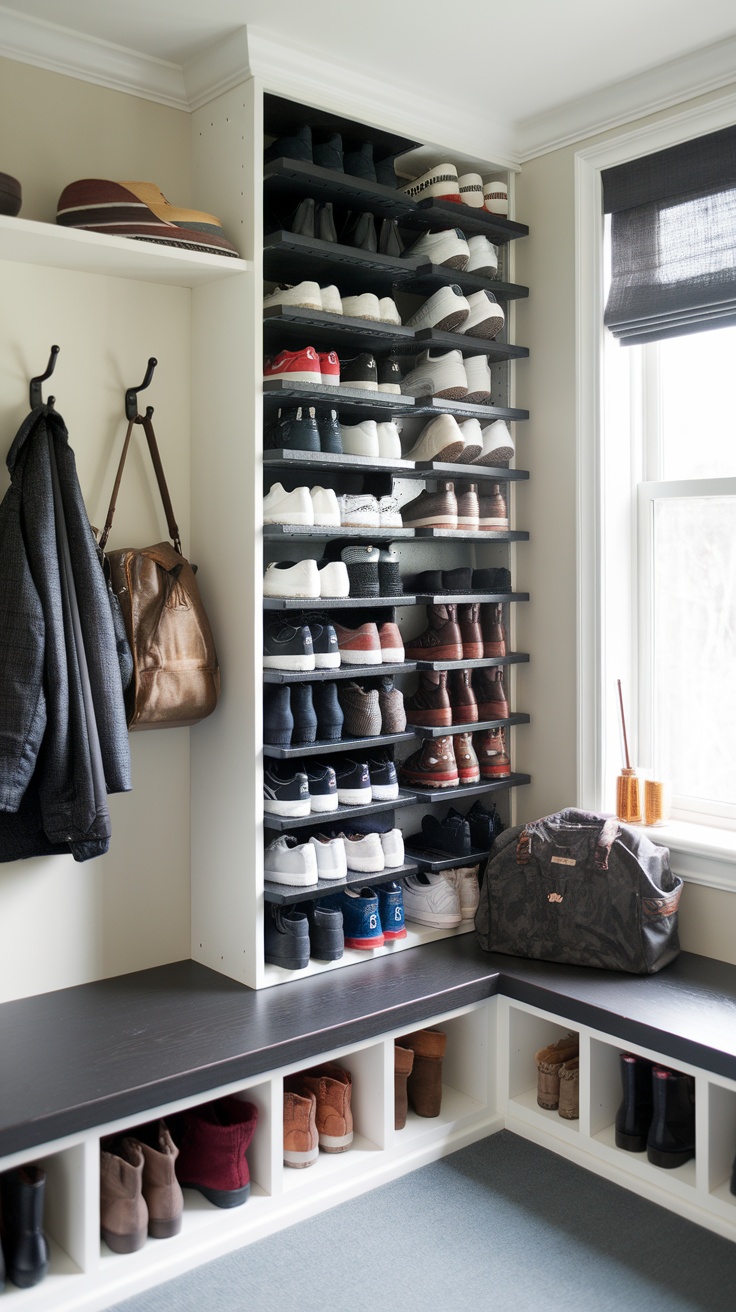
63, 733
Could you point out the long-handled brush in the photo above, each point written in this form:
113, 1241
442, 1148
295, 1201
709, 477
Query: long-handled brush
628, 801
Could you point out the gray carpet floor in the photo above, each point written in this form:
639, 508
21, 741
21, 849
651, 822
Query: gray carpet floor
502, 1225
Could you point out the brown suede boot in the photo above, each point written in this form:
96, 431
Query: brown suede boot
403, 1062
123, 1210
161, 1189
549, 1062
332, 1087
569, 1107
301, 1141
424, 1085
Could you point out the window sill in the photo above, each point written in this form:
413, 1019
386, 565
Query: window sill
699, 854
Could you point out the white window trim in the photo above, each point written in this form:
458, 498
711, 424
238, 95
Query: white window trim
699, 854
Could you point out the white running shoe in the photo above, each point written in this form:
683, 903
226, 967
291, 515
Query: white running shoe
304, 296
282, 507
389, 442
333, 579
388, 311
359, 511
441, 439
360, 439
448, 249
325, 508
498, 444
388, 508
486, 318
331, 300
446, 309
440, 182
471, 435
330, 854
364, 852
437, 375
478, 374
393, 848
287, 861
430, 900
365, 306
483, 256
470, 186
284, 579
496, 197
464, 879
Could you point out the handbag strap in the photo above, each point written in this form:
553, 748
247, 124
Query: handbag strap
608, 833
172, 525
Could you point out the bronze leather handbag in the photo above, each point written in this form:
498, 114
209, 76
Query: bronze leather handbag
176, 675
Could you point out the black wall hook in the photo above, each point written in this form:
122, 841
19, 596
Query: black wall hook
131, 395
36, 395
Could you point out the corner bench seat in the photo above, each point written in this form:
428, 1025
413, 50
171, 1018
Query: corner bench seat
86, 1056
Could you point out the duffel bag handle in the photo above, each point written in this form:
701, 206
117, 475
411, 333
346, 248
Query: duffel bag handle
609, 830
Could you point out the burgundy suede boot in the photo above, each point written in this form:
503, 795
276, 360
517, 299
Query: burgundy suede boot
212, 1141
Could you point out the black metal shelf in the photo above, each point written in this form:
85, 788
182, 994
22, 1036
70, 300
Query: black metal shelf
336, 332
436, 405
470, 473
462, 598
468, 790
330, 818
286, 459
287, 895
289, 257
434, 339
512, 658
427, 731
335, 603
342, 672
435, 213
356, 400
278, 532
342, 745
294, 177
433, 859
427, 277
476, 535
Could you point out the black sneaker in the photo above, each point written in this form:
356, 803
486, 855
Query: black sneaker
389, 375
285, 793
326, 937
294, 430
485, 826
389, 576
491, 580
384, 779
322, 787
451, 835
304, 732
362, 566
360, 371
286, 938
329, 712
288, 647
299, 146
328, 423
278, 718
324, 643
328, 153
353, 783
359, 163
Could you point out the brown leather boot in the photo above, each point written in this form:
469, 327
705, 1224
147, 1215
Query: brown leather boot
493, 759
494, 515
161, 1189
332, 1087
430, 704
494, 632
123, 1210
403, 1062
467, 761
492, 701
441, 640
433, 766
437, 509
549, 1062
424, 1085
462, 698
468, 618
468, 506
301, 1141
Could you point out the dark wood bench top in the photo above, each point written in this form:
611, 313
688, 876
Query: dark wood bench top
84, 1056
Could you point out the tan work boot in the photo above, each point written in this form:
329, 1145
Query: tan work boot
123, 1210
424, 1085
301, 1141
332, 1087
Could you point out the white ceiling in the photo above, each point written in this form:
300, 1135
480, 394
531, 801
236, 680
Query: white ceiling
518, 61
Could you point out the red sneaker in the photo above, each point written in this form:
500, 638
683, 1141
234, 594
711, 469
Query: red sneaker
294, 366
330, 368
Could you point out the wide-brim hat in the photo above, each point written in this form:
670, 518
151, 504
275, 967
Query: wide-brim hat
141, 211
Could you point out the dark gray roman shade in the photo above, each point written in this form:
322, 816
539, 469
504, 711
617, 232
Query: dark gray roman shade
673, 240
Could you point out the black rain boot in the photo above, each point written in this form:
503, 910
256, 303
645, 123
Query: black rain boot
22, 1192
634, 1116
671, 1140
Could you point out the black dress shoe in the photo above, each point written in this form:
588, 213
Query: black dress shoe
359, 163
298, 146
328, 153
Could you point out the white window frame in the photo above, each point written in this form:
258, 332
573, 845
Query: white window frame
699, 853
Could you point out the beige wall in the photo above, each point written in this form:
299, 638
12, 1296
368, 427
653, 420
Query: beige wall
547, 627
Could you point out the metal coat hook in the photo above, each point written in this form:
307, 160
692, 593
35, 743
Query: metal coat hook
36, 395
131, 395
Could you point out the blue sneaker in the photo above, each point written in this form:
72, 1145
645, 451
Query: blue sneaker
391, 911
360, 917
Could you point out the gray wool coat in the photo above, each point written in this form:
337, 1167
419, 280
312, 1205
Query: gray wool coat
63, 733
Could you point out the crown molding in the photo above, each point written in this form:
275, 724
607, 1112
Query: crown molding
217, 70
678, 80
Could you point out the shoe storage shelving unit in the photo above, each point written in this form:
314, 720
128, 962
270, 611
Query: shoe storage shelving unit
291, 258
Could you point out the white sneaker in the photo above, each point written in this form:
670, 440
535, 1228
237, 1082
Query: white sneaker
486, 318
284, 579
498, 444
441, 439
470, 186
364, 852
360, 439
448, 249
437, 375
324, 507
483, 256
333, 579
471, 435
446, 309
287, 861
365, 306
388, 311
282, 507
496, 197
478, 374
330, 854
359, 511
331, 300
393, 848
440, 182
464, 880
389, 442
388, 509
304, 296
430, 900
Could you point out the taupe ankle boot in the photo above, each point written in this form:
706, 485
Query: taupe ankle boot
549, 1062
123, 1210
161, 1189
403, 1062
